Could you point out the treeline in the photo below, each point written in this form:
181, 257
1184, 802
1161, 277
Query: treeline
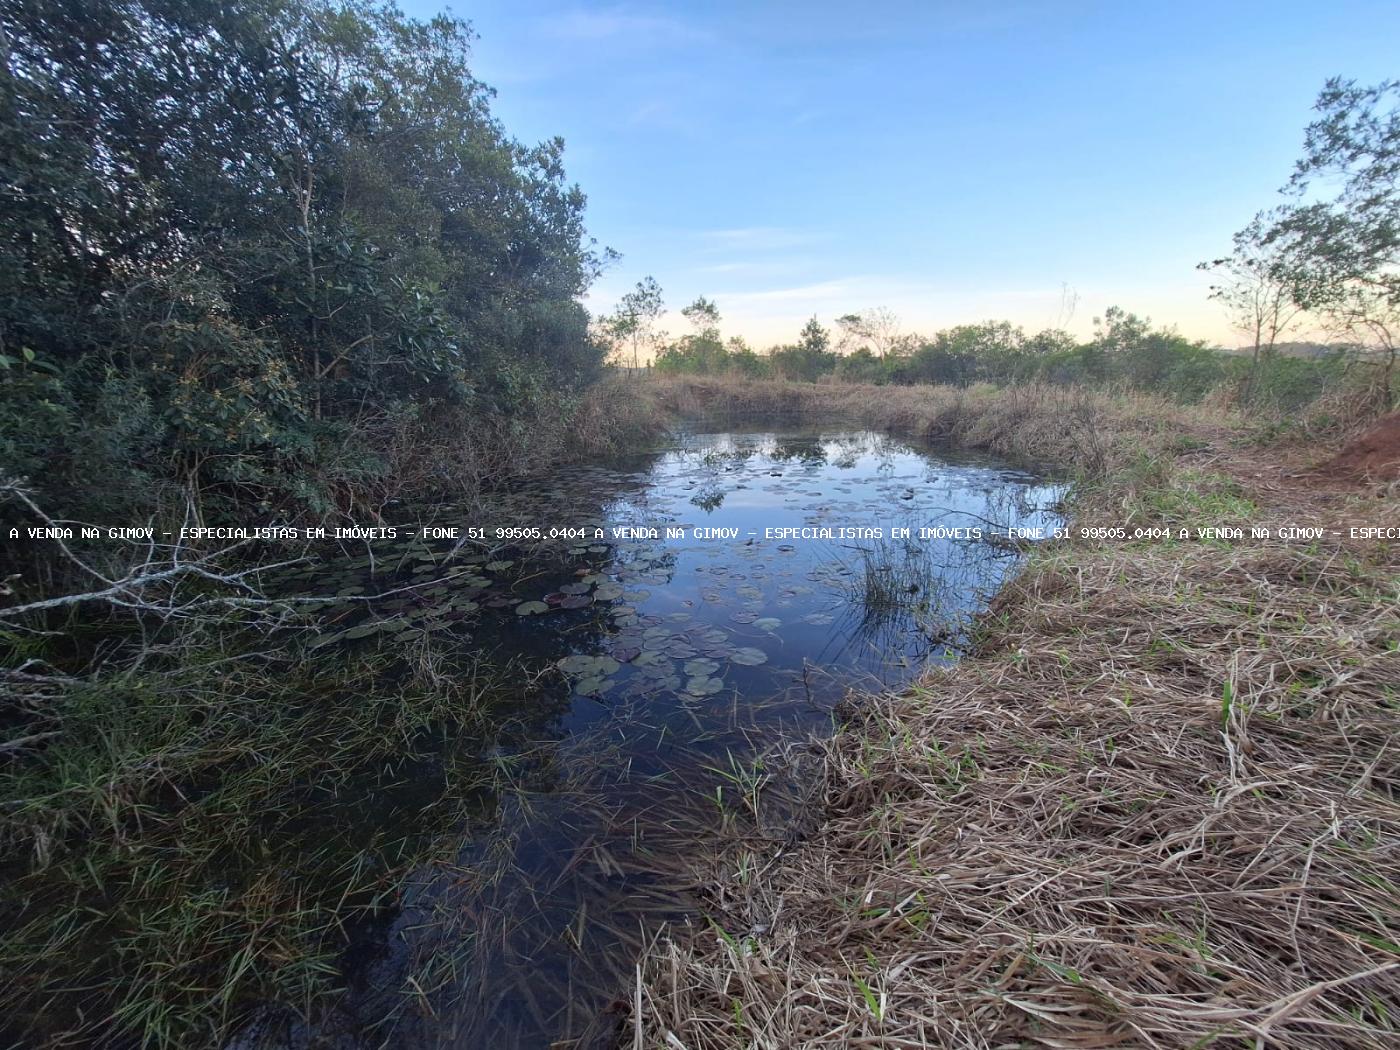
1125, 350
1327, 260
263, 254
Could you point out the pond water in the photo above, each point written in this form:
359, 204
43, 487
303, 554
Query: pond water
659, 672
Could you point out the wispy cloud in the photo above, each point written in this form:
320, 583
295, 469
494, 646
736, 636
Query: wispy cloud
622, 24
821, 291
779, 266
755, 238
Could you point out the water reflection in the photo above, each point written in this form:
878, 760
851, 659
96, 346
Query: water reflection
658, 666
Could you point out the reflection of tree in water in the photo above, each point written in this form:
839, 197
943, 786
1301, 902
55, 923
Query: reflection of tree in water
808, 451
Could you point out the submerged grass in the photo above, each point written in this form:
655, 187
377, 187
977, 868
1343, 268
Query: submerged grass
196, 817
1157, 805
206, 826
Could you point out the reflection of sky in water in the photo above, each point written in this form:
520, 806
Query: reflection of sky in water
689, 652
797, 599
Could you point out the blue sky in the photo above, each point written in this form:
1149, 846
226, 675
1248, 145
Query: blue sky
951, 162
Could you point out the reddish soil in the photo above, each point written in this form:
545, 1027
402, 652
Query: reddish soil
1375, 455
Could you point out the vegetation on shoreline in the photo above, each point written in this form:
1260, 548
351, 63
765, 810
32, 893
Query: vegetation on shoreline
277, 261
268, 262
289, 297
199, 808
1156, 805
1324, 261
1125, 352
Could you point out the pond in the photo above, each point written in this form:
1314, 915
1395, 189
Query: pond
742, 584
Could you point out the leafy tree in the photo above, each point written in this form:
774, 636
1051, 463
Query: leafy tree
703, 316
244, 236
876, 330
808, 359
1339, 252
814, 339
742, 360
1258, 300
633, 325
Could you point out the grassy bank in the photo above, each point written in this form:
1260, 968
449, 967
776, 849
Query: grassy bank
1155, 807
198, 808
1090, 432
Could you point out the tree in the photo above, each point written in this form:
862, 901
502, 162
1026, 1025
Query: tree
876, 329
240, 237
1339, 253
1258, 300
702, 352
703, 316
633, 324
809, 358
814, 339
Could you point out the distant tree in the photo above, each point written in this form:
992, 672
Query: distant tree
743, 360
876, 330
814, 338
1047, 342
809, 358
1253, 288
703, 316
632, 326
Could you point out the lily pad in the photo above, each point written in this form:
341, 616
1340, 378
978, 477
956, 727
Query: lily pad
703, 686
594, 686
581, 666
575, 601
606, 592
748, 656
498, 566
700, 667
768, 623
575, 665
531, 608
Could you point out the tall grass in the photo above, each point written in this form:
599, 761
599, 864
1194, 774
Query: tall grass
1093, 432
1156, 807
194, 810
205, 824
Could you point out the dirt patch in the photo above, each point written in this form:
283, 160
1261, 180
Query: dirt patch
1375, 455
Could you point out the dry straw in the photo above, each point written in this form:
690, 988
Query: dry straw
1156, 809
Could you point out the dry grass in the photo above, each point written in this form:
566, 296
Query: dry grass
1157, 807
1094, 431
462, 453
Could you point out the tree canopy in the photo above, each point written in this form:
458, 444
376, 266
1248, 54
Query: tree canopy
240, 235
